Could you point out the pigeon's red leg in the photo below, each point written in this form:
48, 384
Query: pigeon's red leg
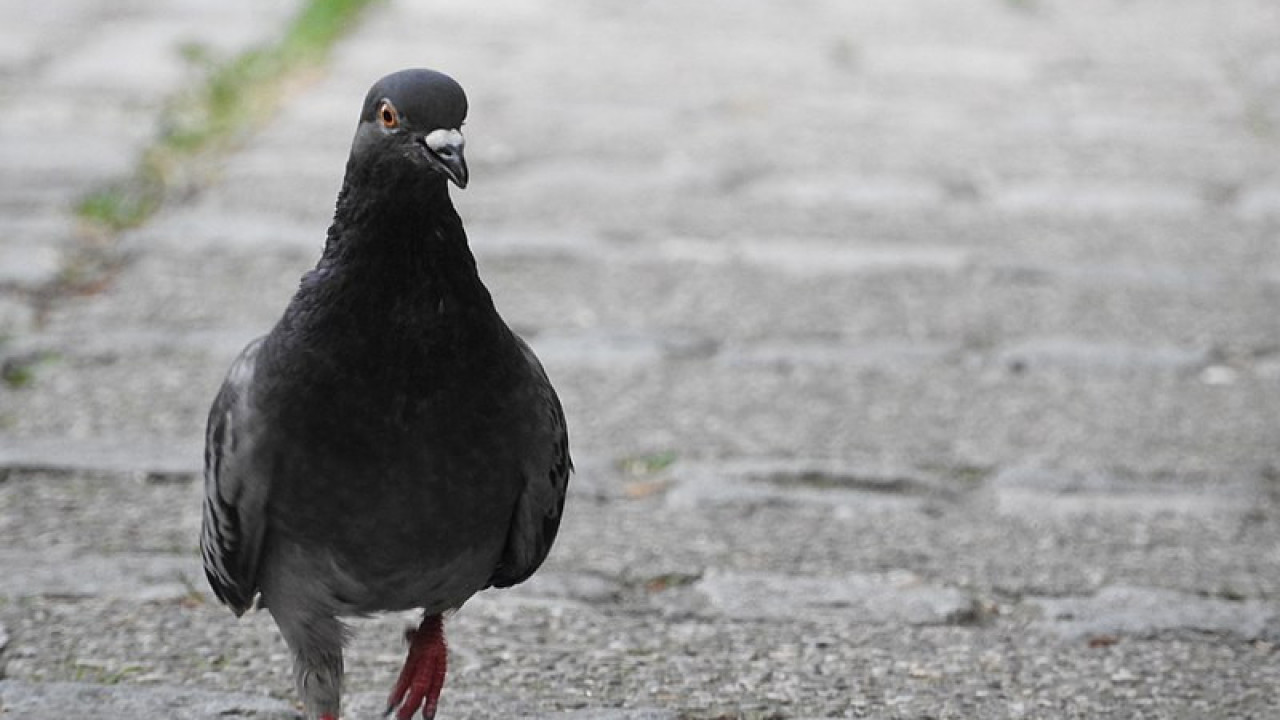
423, 674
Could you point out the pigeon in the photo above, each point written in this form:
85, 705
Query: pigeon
391, 444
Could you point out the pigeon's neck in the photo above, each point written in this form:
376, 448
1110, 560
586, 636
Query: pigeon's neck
407, 242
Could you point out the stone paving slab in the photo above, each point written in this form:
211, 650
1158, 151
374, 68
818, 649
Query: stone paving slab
898, 600
1137, 611
140, 577
146, 455
47, 701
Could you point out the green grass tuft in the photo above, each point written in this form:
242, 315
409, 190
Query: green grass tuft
319, 24
20, 371
653, 463
120, 205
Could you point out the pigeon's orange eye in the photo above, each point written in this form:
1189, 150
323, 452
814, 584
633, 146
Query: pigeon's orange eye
387, 115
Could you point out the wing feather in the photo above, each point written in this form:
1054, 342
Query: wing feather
233, 522
536, 519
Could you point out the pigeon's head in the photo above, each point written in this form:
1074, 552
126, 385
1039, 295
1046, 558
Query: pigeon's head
411, 124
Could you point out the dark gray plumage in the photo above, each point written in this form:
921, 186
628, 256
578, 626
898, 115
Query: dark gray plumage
391, 443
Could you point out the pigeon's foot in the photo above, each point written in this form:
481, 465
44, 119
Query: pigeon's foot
423, 674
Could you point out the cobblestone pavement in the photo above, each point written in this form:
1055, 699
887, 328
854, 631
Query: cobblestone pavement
922, 358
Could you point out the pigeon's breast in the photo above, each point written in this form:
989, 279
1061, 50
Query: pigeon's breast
403, 487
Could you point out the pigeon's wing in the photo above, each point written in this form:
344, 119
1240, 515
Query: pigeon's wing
546, 478
235, 495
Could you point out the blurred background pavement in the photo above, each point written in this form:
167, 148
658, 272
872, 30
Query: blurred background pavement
921, 358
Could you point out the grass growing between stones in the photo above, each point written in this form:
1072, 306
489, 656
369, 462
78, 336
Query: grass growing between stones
213, 114
19, 372
119, 205
650, 464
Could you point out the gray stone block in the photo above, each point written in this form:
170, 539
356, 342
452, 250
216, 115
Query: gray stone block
860, 598
28, 265
137, 576
607, 714
1125, 610
121, 453
54, 701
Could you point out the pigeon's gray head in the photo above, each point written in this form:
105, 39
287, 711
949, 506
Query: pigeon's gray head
412, 123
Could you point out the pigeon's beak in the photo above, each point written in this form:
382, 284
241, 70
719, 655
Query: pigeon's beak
444, 150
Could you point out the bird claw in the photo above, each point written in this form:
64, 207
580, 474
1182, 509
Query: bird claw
422, 677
